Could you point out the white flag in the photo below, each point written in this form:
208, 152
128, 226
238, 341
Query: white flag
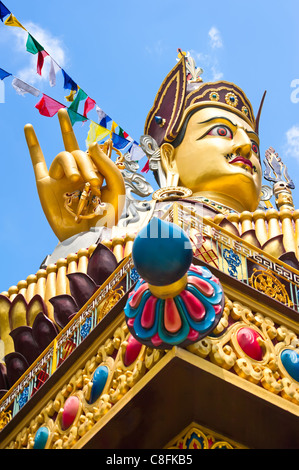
136, 153
52, 74
22, 88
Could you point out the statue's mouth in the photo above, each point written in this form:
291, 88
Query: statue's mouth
242, 161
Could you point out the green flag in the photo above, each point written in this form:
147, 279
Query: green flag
81, 95
75, 117
32, 45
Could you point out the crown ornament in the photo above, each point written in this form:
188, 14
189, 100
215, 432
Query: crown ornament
183, 91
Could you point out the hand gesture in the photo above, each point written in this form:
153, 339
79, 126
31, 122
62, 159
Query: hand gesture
71, 192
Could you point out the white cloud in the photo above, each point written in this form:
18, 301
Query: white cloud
51, 44
215, 38
292, 142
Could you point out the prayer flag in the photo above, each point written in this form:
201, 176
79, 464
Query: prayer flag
70, 97
12, 21
118, 141
3, 11
80, 96
103, 118
3, 74
69, 84
88, 106
122, 133
136, 152
52, 74
32, 45
48, 107
22, 87
75, 117
40, 61
96, 133
146, 168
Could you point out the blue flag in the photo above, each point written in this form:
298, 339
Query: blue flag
4, 74
69, 82
119, 142
3, 11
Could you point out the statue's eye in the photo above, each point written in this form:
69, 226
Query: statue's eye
255, 148
221, 131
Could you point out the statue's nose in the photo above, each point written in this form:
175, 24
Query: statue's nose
242, 144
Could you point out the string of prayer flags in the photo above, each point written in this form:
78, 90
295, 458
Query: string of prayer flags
48, 106
69, 83
40, 60
22, 88
32, 45
4, 74
12, 21
96, 133
3, 11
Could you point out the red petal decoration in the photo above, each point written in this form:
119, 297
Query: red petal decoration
203, 286
148, 314
194, 306
135, 300
172, 318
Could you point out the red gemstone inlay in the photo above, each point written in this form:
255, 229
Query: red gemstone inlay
132, 351
148, 314
248, 341
70, 411
194, 306
203, 286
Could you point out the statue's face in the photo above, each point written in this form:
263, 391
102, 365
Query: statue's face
218, 157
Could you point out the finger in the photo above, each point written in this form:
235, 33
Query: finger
87, 170
36, 154
68, 135
107, 168
64, 164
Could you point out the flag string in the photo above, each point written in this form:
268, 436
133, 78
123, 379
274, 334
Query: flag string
47, 106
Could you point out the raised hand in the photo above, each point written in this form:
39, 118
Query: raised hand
71, 192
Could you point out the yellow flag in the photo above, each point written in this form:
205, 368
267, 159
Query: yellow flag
12, 21
70, 97
96, 133
113, 127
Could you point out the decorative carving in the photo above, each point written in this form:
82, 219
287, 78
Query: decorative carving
266, 282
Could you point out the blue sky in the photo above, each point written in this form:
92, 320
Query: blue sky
118, 53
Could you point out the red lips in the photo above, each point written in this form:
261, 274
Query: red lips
243, 160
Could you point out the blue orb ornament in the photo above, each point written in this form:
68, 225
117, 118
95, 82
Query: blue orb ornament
41, 438
99, 380
290, 361
162, 253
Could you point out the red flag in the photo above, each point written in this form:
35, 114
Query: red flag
47, 106
88, 105
146, 168
40, 61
